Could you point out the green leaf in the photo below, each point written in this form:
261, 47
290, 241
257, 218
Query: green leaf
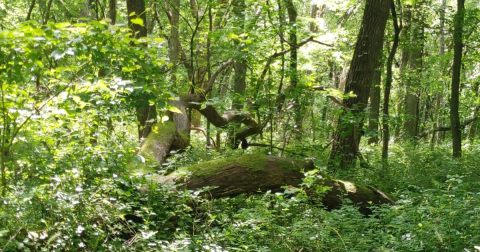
174, 109
137, 21
76, 99
131, 14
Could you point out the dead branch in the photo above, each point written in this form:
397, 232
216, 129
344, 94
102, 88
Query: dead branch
446, 128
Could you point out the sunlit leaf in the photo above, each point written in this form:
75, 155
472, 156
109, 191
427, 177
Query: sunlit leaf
137, 21
174, 109
76, 99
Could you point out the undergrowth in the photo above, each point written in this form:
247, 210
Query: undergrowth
82, 199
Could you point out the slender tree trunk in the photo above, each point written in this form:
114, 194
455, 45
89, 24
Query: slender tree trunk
439, 95
359, 79
145, 112
473, 126
456, 71
209, 69
293, 69
375, 105
30, 9
174, 40
404, 44
47, 12
388, 85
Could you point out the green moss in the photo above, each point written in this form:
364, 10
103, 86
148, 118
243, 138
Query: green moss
160, 132
290, 165
253, 162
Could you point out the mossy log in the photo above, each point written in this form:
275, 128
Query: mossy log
259, 173
155, 148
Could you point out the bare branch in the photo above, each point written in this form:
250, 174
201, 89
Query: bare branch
212, 115
447, 128
211, 81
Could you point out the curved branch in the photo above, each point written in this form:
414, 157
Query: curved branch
222, 67
212, 115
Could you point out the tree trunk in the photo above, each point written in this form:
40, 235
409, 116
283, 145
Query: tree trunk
404, 44
259, 173
313, 15
388, 85
146, 113
293, 69
359, 79
411, 119
375, 105
471, 130
455, 90
112, 11
30, 9
47, 12
240, 64
436, 137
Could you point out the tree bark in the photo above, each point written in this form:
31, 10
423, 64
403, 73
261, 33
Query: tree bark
388, 84
455, 90
258, 173
472, 129
30, 9
112, 11
359, 79
173, 12
404, 44
373, 119
411, 115
313, 15
240, 64
439, 96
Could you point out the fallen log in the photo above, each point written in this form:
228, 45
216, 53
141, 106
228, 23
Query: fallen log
256, 173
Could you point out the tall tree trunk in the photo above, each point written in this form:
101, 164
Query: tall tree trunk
410, 125
439, 96
359, 79
456, 70
240, 64
293, 69
174, 40
145, 112
208, 143
388, 85
404, 44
